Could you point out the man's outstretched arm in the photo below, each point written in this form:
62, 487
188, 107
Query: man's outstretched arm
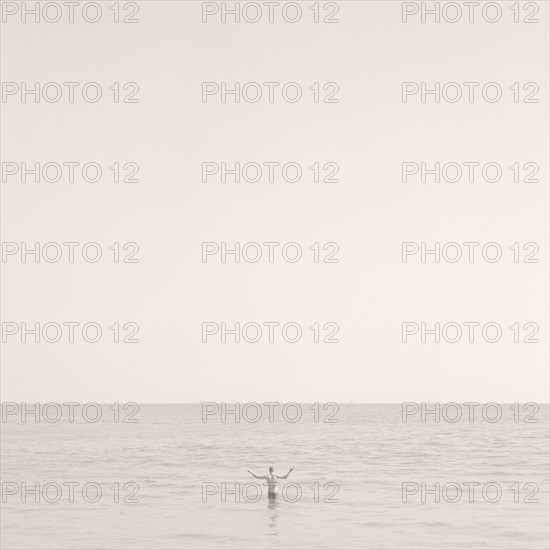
284, 477
257, 477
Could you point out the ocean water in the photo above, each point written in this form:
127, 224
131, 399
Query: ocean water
350, 474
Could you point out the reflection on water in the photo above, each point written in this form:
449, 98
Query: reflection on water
273, 504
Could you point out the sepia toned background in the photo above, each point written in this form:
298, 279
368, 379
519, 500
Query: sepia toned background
169, 451
170, 212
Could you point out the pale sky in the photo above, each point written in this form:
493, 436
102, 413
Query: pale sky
369, 133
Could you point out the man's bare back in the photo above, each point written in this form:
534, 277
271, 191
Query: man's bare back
271, 479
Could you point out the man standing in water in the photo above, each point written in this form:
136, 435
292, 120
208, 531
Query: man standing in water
271, 478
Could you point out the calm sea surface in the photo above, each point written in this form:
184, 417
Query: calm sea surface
350, 475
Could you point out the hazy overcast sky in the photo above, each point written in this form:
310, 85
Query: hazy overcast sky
369, 212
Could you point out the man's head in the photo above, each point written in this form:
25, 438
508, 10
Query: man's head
271, 469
